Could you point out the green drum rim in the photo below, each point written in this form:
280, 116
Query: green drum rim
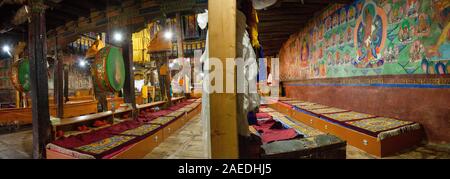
20, 75
24, 74
115, 69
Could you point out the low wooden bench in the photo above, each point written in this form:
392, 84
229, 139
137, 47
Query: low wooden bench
371, 144
315, 147
140, 148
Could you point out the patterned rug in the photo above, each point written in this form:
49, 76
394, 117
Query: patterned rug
140, 131
293, 102
284, 120
185, 109
348, 116
328, 110
162, 120
105, 144
284, 99
276, 114
313, 107
176, 113
379, 124
300, 127
266, 110
193, 105
303, 104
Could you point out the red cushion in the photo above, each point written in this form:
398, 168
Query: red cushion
278, 135
263, 115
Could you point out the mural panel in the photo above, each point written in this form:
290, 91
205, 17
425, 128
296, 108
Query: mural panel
371, 37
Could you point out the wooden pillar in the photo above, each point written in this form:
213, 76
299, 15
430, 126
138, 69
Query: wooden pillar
128, 89
180, 41
38, 78
167, 80
18, 99
179, 36
223, 110
59, 84
66, 82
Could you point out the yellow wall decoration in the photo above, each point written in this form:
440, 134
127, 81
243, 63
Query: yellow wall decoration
141, 40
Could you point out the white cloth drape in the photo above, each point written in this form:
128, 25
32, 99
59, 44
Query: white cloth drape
249, 99
202, 20
261, 4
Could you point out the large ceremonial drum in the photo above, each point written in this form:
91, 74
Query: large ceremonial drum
20, 75
109, 69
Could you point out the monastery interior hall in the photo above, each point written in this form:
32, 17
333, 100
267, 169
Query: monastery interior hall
225, 79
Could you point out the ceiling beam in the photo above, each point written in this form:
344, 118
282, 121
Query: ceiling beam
67, 9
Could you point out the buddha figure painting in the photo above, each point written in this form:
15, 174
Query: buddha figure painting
441, 48
404, 33
304, 54
370, 36
351, 13
416, 51
343, 16
412, 6
423, 28
335, 20
328, 23
349, 34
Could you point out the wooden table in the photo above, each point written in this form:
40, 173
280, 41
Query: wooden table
76, 108
71, 124
71, 109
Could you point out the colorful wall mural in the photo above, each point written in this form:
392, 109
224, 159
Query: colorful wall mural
371, 37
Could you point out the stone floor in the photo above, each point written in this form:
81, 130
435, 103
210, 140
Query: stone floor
16, 145
188, 143
428, 151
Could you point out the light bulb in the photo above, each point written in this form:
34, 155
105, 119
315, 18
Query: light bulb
168, 35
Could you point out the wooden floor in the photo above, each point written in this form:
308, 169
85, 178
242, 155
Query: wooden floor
188, 143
